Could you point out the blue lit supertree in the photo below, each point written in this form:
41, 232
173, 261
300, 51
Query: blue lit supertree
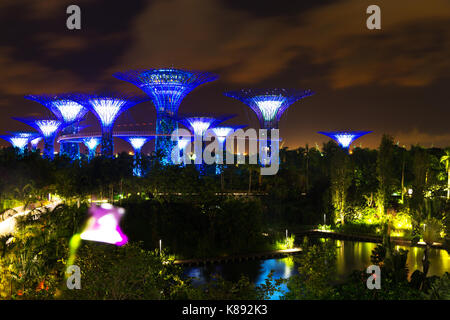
68, 111
166, 88
137, 142
30, 135
34, 143
344, 138
17, 141
269, 105
199, 125
222, 133
49, 129
107, 108
91, 143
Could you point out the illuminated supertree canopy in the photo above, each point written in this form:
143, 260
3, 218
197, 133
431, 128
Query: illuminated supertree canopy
16, 141
137, 142
48, 128
344, 138
269, 104
166, 88
67, 110
91, 143
107, 108
29, 135
35, 142
200, 124
223, 132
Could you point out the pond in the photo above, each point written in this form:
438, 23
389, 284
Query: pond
351, 255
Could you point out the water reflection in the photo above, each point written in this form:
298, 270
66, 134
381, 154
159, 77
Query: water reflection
351, 255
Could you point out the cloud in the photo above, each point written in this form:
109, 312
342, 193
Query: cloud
410, 50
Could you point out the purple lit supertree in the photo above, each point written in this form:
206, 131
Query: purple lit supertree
107, 108
166, 88
344, 138
68, 111
17, 141
34, 143
137, 142
49, 129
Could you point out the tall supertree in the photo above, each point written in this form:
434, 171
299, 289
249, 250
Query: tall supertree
137, 142
166, 88
49, 129
107, 108
344, 138
91, 143
269, 105
199, 125
222, 133
68, 111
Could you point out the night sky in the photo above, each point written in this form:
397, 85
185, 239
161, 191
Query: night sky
394, 80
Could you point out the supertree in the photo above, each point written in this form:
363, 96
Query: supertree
199, 125
107, 108
91, 143
30, 135
137, 142
17, 141
344, 138
166, 88
269, 105
222, 133
48, 128
34, 143
68, 111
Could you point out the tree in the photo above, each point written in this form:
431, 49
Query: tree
445, 159
385, 173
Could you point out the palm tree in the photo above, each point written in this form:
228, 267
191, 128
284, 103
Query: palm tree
445, 159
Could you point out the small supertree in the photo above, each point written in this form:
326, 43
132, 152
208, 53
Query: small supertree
91, 143
49, 129
222, 133
17, 142
137, 142
107, 108
30, 135
68, 111
198, 125
166, 87
269, 104
344, 138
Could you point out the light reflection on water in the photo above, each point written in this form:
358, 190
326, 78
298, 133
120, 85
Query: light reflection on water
351, 255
